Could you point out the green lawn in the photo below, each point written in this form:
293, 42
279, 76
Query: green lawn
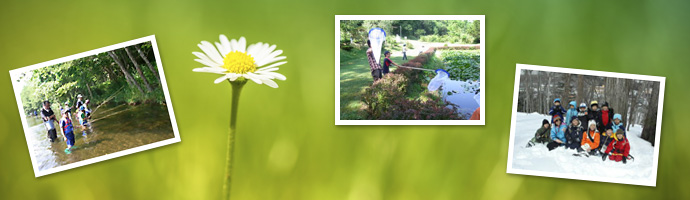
355, 76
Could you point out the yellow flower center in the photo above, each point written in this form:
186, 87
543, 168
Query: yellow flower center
239, 63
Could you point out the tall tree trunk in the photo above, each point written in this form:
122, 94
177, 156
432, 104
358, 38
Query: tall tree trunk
580, 93
141, 74
88, 87
649, 126
527, 91
128, 76
146, 60
566, 89
632, 97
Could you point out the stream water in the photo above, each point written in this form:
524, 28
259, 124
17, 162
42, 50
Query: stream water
113, 128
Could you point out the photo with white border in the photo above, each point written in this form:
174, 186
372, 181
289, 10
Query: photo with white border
443, 78
619, 142
121, 119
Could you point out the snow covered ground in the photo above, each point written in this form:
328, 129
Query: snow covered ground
561, 163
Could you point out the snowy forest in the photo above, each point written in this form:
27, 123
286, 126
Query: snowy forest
635, 100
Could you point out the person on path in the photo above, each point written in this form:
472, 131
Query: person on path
404, 51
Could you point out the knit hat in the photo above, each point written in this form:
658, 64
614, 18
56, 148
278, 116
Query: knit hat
556, 117
617, 116
557, 99
605, 104
594, 103
544, 122
592, 122
620, 132
583, 105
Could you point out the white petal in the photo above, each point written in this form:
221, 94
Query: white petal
269, 57
272, 65
221, 79
205, 58
211, 51
271, 60
270, 83
222, 49
273, 75
225, 42
210, 70
205, 62
233, 77
253, 77
242, 45
234, 45
267, 69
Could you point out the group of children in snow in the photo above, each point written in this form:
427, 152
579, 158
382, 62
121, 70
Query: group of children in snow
83, 115
597, 138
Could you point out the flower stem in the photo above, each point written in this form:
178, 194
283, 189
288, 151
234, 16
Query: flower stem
236, 89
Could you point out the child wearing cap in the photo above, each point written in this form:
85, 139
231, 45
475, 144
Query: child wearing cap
557, 110
84, 114
67, 131
542, 134
618, 150
387, 62
557, 133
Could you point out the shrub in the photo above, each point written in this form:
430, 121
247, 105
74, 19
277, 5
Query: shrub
385, 100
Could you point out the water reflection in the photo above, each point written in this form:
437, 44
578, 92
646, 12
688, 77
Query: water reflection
114, 128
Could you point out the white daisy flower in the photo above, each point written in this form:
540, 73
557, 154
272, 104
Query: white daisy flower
235, 61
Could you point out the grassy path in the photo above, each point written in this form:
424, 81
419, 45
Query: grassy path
354, 78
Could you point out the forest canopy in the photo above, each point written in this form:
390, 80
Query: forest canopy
454, 31
125, 75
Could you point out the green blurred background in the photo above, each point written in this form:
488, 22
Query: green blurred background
288, 147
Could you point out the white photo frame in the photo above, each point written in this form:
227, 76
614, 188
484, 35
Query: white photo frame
481, 121
648, 181
15, 75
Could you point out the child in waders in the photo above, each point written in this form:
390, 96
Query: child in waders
84, 116
619, 150
67, 131
542, 134
48, 117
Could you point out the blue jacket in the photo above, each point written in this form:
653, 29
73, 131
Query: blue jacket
615, 128
557, 110
558, 132
571, 114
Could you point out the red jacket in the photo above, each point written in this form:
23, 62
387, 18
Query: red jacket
618, 149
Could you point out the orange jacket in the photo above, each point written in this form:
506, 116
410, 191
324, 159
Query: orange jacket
592, 144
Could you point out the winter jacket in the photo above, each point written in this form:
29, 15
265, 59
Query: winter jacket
618, 149
606, 118
582, 116
573, 135
605, 140
594, 142
558, 132
542, 135
615, 128
571, 113
596, 116
557, 110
